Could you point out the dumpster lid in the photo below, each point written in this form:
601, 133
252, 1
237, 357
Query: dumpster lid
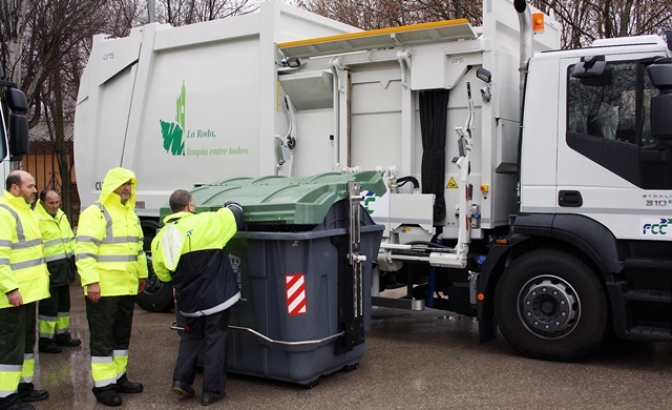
284, 200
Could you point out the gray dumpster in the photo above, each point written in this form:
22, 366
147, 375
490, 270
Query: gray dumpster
304, 267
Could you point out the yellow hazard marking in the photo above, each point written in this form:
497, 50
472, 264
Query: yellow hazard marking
452, 184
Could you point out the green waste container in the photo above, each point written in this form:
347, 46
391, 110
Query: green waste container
304, 269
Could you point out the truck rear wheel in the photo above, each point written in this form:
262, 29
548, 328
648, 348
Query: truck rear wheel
157, 296
551, 306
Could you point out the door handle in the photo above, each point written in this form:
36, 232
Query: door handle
571, 199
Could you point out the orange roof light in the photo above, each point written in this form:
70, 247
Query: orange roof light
538, 23
480, 297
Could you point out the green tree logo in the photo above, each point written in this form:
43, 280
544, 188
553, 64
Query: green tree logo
173, 132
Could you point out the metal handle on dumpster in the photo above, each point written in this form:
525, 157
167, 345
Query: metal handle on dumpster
356, 258
351, 278
174, 326
282, 342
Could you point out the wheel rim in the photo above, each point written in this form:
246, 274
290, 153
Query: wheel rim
549, 307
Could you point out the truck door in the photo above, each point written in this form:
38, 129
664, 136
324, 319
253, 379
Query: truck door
610, 168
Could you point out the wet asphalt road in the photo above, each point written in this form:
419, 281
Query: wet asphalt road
413, 360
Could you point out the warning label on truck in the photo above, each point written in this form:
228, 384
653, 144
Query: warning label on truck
452, 184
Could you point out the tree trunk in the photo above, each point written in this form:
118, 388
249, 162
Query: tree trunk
64, 167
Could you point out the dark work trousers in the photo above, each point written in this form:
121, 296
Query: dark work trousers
57, 302
16, 339
110, 321
211, 332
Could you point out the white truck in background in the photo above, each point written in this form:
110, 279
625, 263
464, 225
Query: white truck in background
14, 141
527, 186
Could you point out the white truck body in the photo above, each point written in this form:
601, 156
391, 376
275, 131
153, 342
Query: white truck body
547, 224
225, 69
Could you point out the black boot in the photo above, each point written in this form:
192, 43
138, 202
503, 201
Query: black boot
107, 395
13, 402
48, 346
126, 386
28, 393
65, 340
72, 342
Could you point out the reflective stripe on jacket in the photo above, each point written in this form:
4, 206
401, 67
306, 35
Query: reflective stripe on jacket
22, 264
109, 246
59, 245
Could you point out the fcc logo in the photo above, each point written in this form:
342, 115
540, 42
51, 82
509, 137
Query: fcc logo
656, 227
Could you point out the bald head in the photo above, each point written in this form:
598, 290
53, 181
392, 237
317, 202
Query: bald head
50, 201
22, 184
180, 200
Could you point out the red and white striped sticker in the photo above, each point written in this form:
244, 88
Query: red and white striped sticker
296, 294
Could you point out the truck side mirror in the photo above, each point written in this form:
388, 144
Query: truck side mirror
16, 100
589, 67
660, 73
19, 144
18, 123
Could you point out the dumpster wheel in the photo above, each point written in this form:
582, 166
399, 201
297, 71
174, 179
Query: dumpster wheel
350, 367
313, 383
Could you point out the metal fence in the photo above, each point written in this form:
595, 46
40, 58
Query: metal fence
42, 163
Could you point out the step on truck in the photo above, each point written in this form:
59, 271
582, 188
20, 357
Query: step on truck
527, 186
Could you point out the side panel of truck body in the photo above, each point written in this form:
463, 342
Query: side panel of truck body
185, 106
380, 120
195, 104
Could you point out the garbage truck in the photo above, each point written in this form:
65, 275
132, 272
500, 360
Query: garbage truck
14, 141
528, 187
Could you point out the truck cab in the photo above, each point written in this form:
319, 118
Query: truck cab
590, 244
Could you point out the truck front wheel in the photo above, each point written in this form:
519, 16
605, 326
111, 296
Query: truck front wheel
551, 306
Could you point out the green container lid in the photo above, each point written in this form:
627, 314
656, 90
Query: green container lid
283, 200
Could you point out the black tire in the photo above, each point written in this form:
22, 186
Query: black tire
551, 306
157, 296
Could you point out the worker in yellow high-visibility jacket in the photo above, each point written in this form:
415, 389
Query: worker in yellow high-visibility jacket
23, 281
113, 269
53, 317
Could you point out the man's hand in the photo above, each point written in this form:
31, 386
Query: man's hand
15, 298
93, 292
141, 285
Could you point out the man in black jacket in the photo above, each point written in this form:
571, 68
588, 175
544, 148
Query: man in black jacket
189, 250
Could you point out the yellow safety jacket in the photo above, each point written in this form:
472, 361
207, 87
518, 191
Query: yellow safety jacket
109, 246
59, 245
22, 264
